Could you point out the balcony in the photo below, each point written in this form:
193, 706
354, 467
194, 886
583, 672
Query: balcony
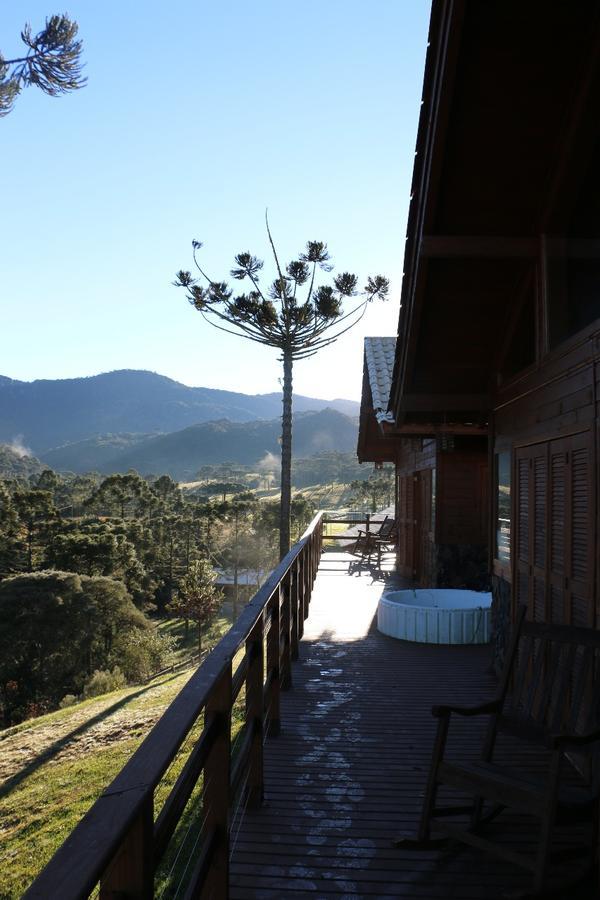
291, 760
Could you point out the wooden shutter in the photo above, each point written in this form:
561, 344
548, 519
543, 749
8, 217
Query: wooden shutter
531, 529
558, 490
580, 573
554, 530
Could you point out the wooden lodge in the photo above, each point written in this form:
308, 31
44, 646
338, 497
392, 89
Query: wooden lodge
301, 747
441, 482
500, 309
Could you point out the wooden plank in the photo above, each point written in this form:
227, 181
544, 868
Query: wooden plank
463, 246
445, 402
348, 770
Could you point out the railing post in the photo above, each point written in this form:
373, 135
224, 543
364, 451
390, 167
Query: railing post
299, 597
131, 872
296, 632
285, 665
217, 773
306, 580
255, 713
273, 671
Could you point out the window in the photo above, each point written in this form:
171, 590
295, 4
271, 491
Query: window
503, 507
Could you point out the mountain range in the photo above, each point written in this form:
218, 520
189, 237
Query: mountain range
140, 420
131, 404
181, 453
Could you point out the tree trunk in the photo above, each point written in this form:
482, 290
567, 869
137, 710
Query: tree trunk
286, 456
236, 563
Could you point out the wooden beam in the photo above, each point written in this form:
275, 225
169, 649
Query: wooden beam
441, 246
444, 402
431, 429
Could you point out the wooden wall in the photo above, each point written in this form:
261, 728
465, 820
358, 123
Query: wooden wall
415, 463
442, 510
462, 497
548, 419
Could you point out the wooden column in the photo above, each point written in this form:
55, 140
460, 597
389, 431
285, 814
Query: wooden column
131, 872
286, 636
273, 671
216, 789
306, 580
255, 713
299, 596
295, 630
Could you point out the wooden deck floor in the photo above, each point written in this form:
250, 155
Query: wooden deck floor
347, 772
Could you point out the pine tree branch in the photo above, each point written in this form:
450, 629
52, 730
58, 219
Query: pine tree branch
249, 337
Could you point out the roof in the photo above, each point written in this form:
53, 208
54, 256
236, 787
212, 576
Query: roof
253, 577
379, 356
374, 420
507, 131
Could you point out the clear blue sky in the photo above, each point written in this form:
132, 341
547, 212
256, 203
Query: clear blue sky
196, 117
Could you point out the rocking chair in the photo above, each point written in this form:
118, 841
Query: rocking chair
549, 696
373, 543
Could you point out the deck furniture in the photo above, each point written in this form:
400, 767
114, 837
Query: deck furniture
371, 544
548, 697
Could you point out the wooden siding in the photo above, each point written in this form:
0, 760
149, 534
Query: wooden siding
429, 528
554, 530
462, 497
549, 418
415, 461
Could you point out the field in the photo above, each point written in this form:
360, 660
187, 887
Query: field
333, 495
54, 767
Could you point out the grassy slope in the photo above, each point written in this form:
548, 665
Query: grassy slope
53, 768
334, 495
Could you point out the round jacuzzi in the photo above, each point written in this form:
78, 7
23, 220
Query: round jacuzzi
436, 616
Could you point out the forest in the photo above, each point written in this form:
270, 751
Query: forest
90, 565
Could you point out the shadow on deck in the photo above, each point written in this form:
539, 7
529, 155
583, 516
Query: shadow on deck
347, 772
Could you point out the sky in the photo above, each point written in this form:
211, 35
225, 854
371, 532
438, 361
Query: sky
197, 117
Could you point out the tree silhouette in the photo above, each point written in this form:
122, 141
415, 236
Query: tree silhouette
52, 62
198, 598
281, 317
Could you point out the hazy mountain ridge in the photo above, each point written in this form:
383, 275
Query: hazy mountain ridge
181, 453
15, 463
50, 413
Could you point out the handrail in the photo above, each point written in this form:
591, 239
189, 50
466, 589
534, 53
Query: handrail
117, 842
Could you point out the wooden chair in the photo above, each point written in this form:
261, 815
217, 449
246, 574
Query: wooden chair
549, 696
373, 543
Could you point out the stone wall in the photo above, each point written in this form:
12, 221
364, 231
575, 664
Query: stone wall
462, 566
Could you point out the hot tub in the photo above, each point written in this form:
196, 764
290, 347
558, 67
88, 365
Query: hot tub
436, 616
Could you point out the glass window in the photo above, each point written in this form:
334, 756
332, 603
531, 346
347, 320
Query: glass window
503, 507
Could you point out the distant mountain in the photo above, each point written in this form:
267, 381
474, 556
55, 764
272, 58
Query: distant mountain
92, 454
181, 453
45, 414
15, 462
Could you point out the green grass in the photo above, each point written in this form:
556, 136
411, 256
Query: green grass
42, 803
64, 760
186, 645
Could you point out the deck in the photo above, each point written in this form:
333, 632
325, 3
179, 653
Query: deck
347, 772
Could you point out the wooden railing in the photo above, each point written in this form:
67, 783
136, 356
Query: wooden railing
205, 756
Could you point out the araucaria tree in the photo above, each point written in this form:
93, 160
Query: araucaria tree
294, 313
199, 598
52, 62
